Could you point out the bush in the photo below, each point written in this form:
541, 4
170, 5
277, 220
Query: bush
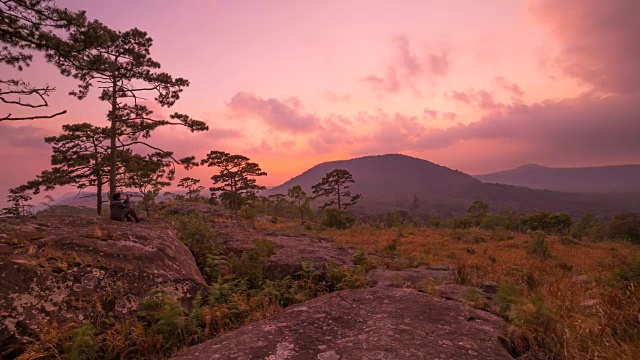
248, 213
196, 233
83, 343
360, 258
508, 295
626, 226
337, 219
539, 246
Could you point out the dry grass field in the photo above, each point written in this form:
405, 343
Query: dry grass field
570, 299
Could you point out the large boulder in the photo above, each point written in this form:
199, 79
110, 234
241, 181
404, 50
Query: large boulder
374, 323
73, 268
290, 251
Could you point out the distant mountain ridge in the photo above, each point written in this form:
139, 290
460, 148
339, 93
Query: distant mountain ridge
616, 178
390, 182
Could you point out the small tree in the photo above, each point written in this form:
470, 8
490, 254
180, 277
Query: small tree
335, 185
279, 204
478, 211
80, 159
626, 226
148, 175
236, 177
19, 199
300, 200
191, 185
416, 204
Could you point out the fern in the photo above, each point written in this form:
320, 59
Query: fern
83, 344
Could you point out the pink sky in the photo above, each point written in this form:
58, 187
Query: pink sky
478, 86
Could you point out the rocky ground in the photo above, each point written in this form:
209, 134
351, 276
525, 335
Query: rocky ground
290, 251
373, 323
69, 266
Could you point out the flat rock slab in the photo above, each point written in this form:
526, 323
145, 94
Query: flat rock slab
290, 251
60, 267
373, 323
408, 277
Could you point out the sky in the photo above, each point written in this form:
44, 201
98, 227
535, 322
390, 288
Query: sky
478, 86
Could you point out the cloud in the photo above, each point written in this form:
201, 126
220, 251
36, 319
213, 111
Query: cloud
25, 136
285, 115
223, 134
598, 41
481, 99
333, 97
570, 130
23, 154
512, 88
431, 114
388, 84
460, 96
587, 130
408, 70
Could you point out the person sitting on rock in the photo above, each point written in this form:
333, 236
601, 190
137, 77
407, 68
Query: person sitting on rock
121, 210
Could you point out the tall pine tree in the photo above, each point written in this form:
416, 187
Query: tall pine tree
118, 63
335, 186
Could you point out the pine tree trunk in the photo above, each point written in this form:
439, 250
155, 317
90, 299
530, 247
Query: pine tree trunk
98, 175
99, 193
113, 160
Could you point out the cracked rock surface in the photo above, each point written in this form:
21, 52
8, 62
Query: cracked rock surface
68, 266
374, 323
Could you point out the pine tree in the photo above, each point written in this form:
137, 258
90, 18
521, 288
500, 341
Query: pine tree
191, 185
335, 185
80, 159
119, 64
148, 175
300, 200
236, 176
27, 26
19, 200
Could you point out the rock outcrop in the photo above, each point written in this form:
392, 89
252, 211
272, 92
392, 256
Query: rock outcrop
290, 251
374, 323
72, 268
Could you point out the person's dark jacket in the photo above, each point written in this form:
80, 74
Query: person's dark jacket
118, 209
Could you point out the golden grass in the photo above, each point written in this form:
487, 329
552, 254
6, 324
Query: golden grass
595, 320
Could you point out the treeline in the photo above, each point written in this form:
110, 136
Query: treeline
237, 191
624, 226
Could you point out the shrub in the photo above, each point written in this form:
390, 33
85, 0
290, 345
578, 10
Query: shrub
360, 258
391, 248
344, 277
539, 247
214, 267
196, 233
248, 213
83, 343
508, 295
627, 275
626, 226
337, 219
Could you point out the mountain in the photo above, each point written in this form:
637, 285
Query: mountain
391, 181
619, 178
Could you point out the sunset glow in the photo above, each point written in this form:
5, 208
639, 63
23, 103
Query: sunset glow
475, 86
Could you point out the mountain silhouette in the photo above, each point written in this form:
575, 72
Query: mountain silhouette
392, 181
619, 178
